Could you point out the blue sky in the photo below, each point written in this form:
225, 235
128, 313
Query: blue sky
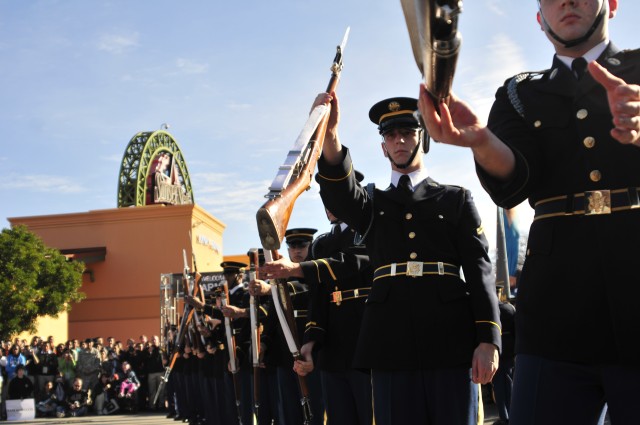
234, 80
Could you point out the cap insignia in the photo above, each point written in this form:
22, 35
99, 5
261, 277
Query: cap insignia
394, 106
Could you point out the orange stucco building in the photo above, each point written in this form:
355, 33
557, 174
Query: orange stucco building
125, 251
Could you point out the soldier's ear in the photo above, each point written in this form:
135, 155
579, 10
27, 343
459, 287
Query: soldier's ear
613, 8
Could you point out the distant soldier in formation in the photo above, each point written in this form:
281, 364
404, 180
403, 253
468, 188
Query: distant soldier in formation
298, 242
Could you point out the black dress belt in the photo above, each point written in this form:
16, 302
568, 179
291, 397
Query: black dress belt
593, 202
348, 294
416, 269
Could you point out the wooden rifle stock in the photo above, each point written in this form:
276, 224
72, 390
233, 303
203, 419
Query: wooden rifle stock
293, 179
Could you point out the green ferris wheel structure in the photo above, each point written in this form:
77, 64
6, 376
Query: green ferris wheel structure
139, 166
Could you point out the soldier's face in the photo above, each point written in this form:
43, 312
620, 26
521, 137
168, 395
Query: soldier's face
232, 277
572, 19
298, 251
399, 143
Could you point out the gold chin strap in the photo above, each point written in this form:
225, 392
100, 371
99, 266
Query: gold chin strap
393, 114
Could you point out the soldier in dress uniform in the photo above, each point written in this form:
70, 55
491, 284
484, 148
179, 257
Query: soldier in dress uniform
568, 142
237, 309
339, 278
298, 242
441, 333
268, 409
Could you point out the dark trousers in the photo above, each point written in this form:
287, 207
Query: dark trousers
182, 395
198, 399
170, 394
268, 409
232, 409
348, 397
290, 397
502, 384
551, 392
213, 409
245, 377
275, 403
425, 397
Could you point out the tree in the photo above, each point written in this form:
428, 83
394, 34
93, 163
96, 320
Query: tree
35, 280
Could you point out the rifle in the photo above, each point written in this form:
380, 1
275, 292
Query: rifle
254, 306
295, 175
197, 291
187, 315
284, 310
231, 344
435, 40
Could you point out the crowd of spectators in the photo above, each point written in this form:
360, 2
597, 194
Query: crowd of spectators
80, 377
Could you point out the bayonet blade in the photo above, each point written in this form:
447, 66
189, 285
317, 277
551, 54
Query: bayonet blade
344, 39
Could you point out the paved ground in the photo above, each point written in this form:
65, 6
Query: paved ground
138, 419
157, 418
153, 419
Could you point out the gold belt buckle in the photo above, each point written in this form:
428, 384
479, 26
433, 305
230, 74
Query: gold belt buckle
597, 202
414, 268
337, 297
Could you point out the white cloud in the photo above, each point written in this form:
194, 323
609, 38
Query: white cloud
499, 60
239, 106
228, 196
118, 43
42, 183
496, 6
190, 67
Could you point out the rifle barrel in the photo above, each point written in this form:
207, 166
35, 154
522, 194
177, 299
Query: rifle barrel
273, 216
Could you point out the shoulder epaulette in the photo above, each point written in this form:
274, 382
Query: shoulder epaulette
449, 186
630, 51
512, 89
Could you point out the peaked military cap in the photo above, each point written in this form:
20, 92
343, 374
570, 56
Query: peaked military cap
232, 267
299, 235
396, 112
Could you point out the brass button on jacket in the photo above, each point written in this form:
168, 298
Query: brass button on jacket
589, 142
